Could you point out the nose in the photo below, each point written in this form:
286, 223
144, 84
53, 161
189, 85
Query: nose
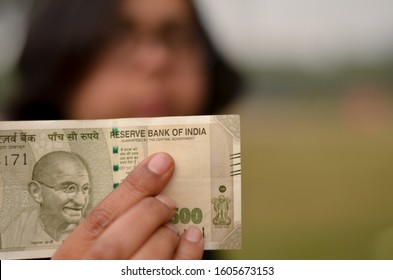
152, 56
80, 198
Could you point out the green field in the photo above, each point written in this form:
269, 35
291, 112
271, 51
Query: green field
317, 178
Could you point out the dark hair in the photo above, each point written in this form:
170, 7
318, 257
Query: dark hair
64, 39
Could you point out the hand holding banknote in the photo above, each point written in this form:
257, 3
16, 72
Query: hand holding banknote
132, 222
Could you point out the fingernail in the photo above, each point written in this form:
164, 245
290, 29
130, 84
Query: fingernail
166, 200
172, 227
160, 163
193, 234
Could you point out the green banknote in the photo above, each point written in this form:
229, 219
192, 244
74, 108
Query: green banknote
53, 173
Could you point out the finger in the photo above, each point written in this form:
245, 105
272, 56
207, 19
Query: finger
191, 245
132, 229
161, 244
146, 179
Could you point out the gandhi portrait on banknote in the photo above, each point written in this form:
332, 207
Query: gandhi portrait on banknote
60, 186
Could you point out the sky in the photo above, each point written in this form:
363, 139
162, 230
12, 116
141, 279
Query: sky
254, 33
310, 33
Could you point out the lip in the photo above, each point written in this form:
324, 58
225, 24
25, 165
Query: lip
73, 211
153, 111
74, 208
153, 108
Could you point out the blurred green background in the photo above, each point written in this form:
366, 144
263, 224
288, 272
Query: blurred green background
317, 168
317, 125
316, 117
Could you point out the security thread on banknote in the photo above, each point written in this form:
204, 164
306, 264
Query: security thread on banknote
52, 173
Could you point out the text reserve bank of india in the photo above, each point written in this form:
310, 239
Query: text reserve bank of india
79, 162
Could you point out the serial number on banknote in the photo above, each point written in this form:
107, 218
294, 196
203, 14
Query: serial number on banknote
13, 159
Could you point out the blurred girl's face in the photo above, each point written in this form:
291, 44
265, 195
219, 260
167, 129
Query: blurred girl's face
156, 67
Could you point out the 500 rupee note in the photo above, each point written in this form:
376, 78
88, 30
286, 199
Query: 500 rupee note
77, 163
